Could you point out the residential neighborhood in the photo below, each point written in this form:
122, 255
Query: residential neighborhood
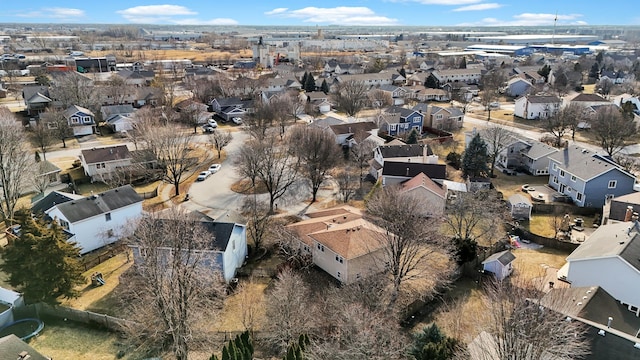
325, 193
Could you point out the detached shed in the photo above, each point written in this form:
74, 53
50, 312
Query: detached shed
499, 264
520, 207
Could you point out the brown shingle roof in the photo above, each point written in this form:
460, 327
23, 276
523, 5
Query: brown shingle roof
351, 239
110, 153
423, 180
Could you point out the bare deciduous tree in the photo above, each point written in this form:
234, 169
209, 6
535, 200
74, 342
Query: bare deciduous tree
348, 182
317, 152
170, 286
220, 139
15, 159
76, 89
520, 324
409, 241
380, 99
260, 220
565, 119
475, 216
42, 137
361, 152
263, 117
351, 96
116, 90
497, 139
612, 129
55, 121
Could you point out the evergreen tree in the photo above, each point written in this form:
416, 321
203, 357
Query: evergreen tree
431, 82
240, 348
413, 137
433, 344
463, 63
403, 72
466, 250
600, 57
594, 71
303, 81
544, 72
41, 263
324, 87
474, 161
310, 83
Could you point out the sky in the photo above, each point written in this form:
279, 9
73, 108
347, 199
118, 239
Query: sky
327, 12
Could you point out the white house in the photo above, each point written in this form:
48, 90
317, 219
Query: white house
536, 106
609, 258
98, 220
499, 264
101, 163
225, 253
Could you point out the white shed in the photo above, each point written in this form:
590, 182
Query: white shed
499, 264
520, 207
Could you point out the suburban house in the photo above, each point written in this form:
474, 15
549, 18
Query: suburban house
589, 100
517, 86
499, 264
621, 208
345, 133
327, 122
399, 120
102, 163
36, 98
460, 90
228, 108
520, 207
536, 106
418, 153
136, 77
535, 159
432, 197
319, 100
98, 220
226, 252
279, 84
609, 259
587, 178
610, 327
49, 171
118, 117
441, 118
468, 76
342, 243
395, 172
147, 95
81, 120
396, 93
429, 94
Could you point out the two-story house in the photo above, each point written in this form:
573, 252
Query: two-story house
100, 219
518, 86
102, 163
400, 120
396, 172
588, 178
396, 93
441, 118
346, 133
230, 107
432, 197
400, 152
537, 106
81, 120
224, 253
36, 98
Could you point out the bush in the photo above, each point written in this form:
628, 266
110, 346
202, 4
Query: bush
454, 159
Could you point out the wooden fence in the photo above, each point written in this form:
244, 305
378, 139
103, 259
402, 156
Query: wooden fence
41, 310
91, 260
149, 194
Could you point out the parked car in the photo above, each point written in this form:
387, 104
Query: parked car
494, 105
214, 168
527, 188
237, 120
203, 175
212, 123
208, 128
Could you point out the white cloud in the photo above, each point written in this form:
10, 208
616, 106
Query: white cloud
276, 11
530, 19
479, 7
154, 13
54, 13
342, 15
217, 21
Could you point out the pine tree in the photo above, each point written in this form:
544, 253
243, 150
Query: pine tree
431, 82
240, 348
413, 137
403, 72
474, 161
325, 86
463, 63
433, 344
41, 263
303, 81
310, 83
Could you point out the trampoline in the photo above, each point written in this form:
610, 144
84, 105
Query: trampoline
25, 329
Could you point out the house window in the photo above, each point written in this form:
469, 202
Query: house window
358, 276
321, 247
416, 119
561, 173
392, 127
339, 259
107, 216
579, 196
612, 184
87, 120
64, 224
338, 273
555, 179
554, 166
573, 178
75, 120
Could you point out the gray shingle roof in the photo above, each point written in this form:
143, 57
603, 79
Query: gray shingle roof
581, 162
49, 201
102, 203
352, 128
11, 347
504, 257
539, 149
544, 99
110, 153
393, 151
409, 170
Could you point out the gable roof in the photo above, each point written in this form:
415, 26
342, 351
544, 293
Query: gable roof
52, 199
102, 203
619, 239
518, 199
323, 219
222, 233
409, 169
351, 239
539, 149
422, 180
582, 97
504, 258
404, 112
404, 150
352, 128
74, 109
109, 110
103, 154
583, 163
11, 347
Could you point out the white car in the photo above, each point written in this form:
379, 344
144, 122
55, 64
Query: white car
212, 123
214, 168
203, 175
237, 120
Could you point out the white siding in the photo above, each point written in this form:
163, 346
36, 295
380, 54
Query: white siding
235, 253
613, 274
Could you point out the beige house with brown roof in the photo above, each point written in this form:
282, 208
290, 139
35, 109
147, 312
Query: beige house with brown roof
432, 197
342, 243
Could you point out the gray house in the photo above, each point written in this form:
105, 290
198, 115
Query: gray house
588, 178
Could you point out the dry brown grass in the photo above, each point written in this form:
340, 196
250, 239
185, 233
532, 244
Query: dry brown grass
193, 55
531, 264
250, 294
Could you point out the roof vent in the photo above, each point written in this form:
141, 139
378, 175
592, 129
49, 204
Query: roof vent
579, 303
601, 332
636, 345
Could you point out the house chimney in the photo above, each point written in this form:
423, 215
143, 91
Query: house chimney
628, 214
407, 172
424, 153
